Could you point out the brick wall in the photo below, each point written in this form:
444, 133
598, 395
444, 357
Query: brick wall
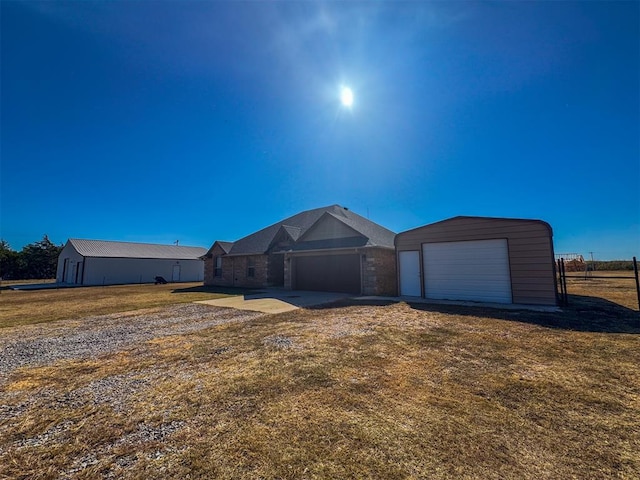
234, 271
240, 270
379, 272
209, 269
288, 279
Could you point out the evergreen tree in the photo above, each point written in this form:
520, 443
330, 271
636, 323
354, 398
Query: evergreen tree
9, 261
40, 259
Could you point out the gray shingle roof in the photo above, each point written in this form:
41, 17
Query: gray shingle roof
226, 246
349, 242
103, 248
259, 242
294, 232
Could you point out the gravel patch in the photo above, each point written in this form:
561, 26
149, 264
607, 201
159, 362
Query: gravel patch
50, 436
116, 390
144, 434
148, 433
98, 335
278, 341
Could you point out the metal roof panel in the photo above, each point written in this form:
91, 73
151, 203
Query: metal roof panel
109, 249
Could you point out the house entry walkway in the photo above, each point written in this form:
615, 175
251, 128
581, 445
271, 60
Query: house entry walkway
276, 300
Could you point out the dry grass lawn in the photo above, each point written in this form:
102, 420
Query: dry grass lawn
23, 307
352, 391
617, 290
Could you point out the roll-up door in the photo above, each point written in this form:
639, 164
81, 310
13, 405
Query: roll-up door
472, 270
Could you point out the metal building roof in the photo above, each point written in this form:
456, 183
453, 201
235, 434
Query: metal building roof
103, 248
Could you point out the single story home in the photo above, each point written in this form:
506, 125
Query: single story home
324, 249
498, 260
99, 262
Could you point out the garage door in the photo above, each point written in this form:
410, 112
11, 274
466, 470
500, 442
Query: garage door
328, 273
473, 270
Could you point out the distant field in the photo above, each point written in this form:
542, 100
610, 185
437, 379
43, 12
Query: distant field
603, 273
28, 307
616, 290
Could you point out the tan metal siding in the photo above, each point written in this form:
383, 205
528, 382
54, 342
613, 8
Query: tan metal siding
530, 250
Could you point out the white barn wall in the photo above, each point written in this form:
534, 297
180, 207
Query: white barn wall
70, 253
110, 271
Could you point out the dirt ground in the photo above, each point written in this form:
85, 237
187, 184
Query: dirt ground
352, 390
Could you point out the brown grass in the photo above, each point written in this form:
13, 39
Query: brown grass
617, 290
23, 307
6, 283
354, 391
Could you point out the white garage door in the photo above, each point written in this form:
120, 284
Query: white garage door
473, 270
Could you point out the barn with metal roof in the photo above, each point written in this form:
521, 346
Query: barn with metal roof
100, 262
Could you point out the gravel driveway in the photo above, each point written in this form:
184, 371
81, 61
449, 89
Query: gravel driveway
96, 335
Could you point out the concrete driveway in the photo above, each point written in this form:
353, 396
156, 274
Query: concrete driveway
276, 300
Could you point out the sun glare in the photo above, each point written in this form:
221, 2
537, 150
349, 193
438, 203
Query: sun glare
346, 97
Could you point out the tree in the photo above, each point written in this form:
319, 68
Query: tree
40, 259
9, 261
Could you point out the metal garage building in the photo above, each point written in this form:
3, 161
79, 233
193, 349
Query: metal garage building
99, 262
482, 259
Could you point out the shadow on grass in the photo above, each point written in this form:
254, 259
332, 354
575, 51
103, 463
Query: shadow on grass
219, 290
584, 314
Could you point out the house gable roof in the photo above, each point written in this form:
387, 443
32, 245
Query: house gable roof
329, 226
224, 246
378, 235
297, 225
284, 238
294, 232
109, 249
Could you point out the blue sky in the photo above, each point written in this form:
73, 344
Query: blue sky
198, 121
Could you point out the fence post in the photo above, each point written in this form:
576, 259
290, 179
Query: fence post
561, 293
635, 272
564, 282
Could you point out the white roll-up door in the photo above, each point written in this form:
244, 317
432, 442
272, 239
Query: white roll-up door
475, 270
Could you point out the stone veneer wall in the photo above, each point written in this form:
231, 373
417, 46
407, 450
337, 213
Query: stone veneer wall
379, 272
288, 279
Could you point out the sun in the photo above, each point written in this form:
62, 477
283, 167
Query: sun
346, 97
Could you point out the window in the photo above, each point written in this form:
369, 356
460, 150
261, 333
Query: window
251, 267
217, 270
